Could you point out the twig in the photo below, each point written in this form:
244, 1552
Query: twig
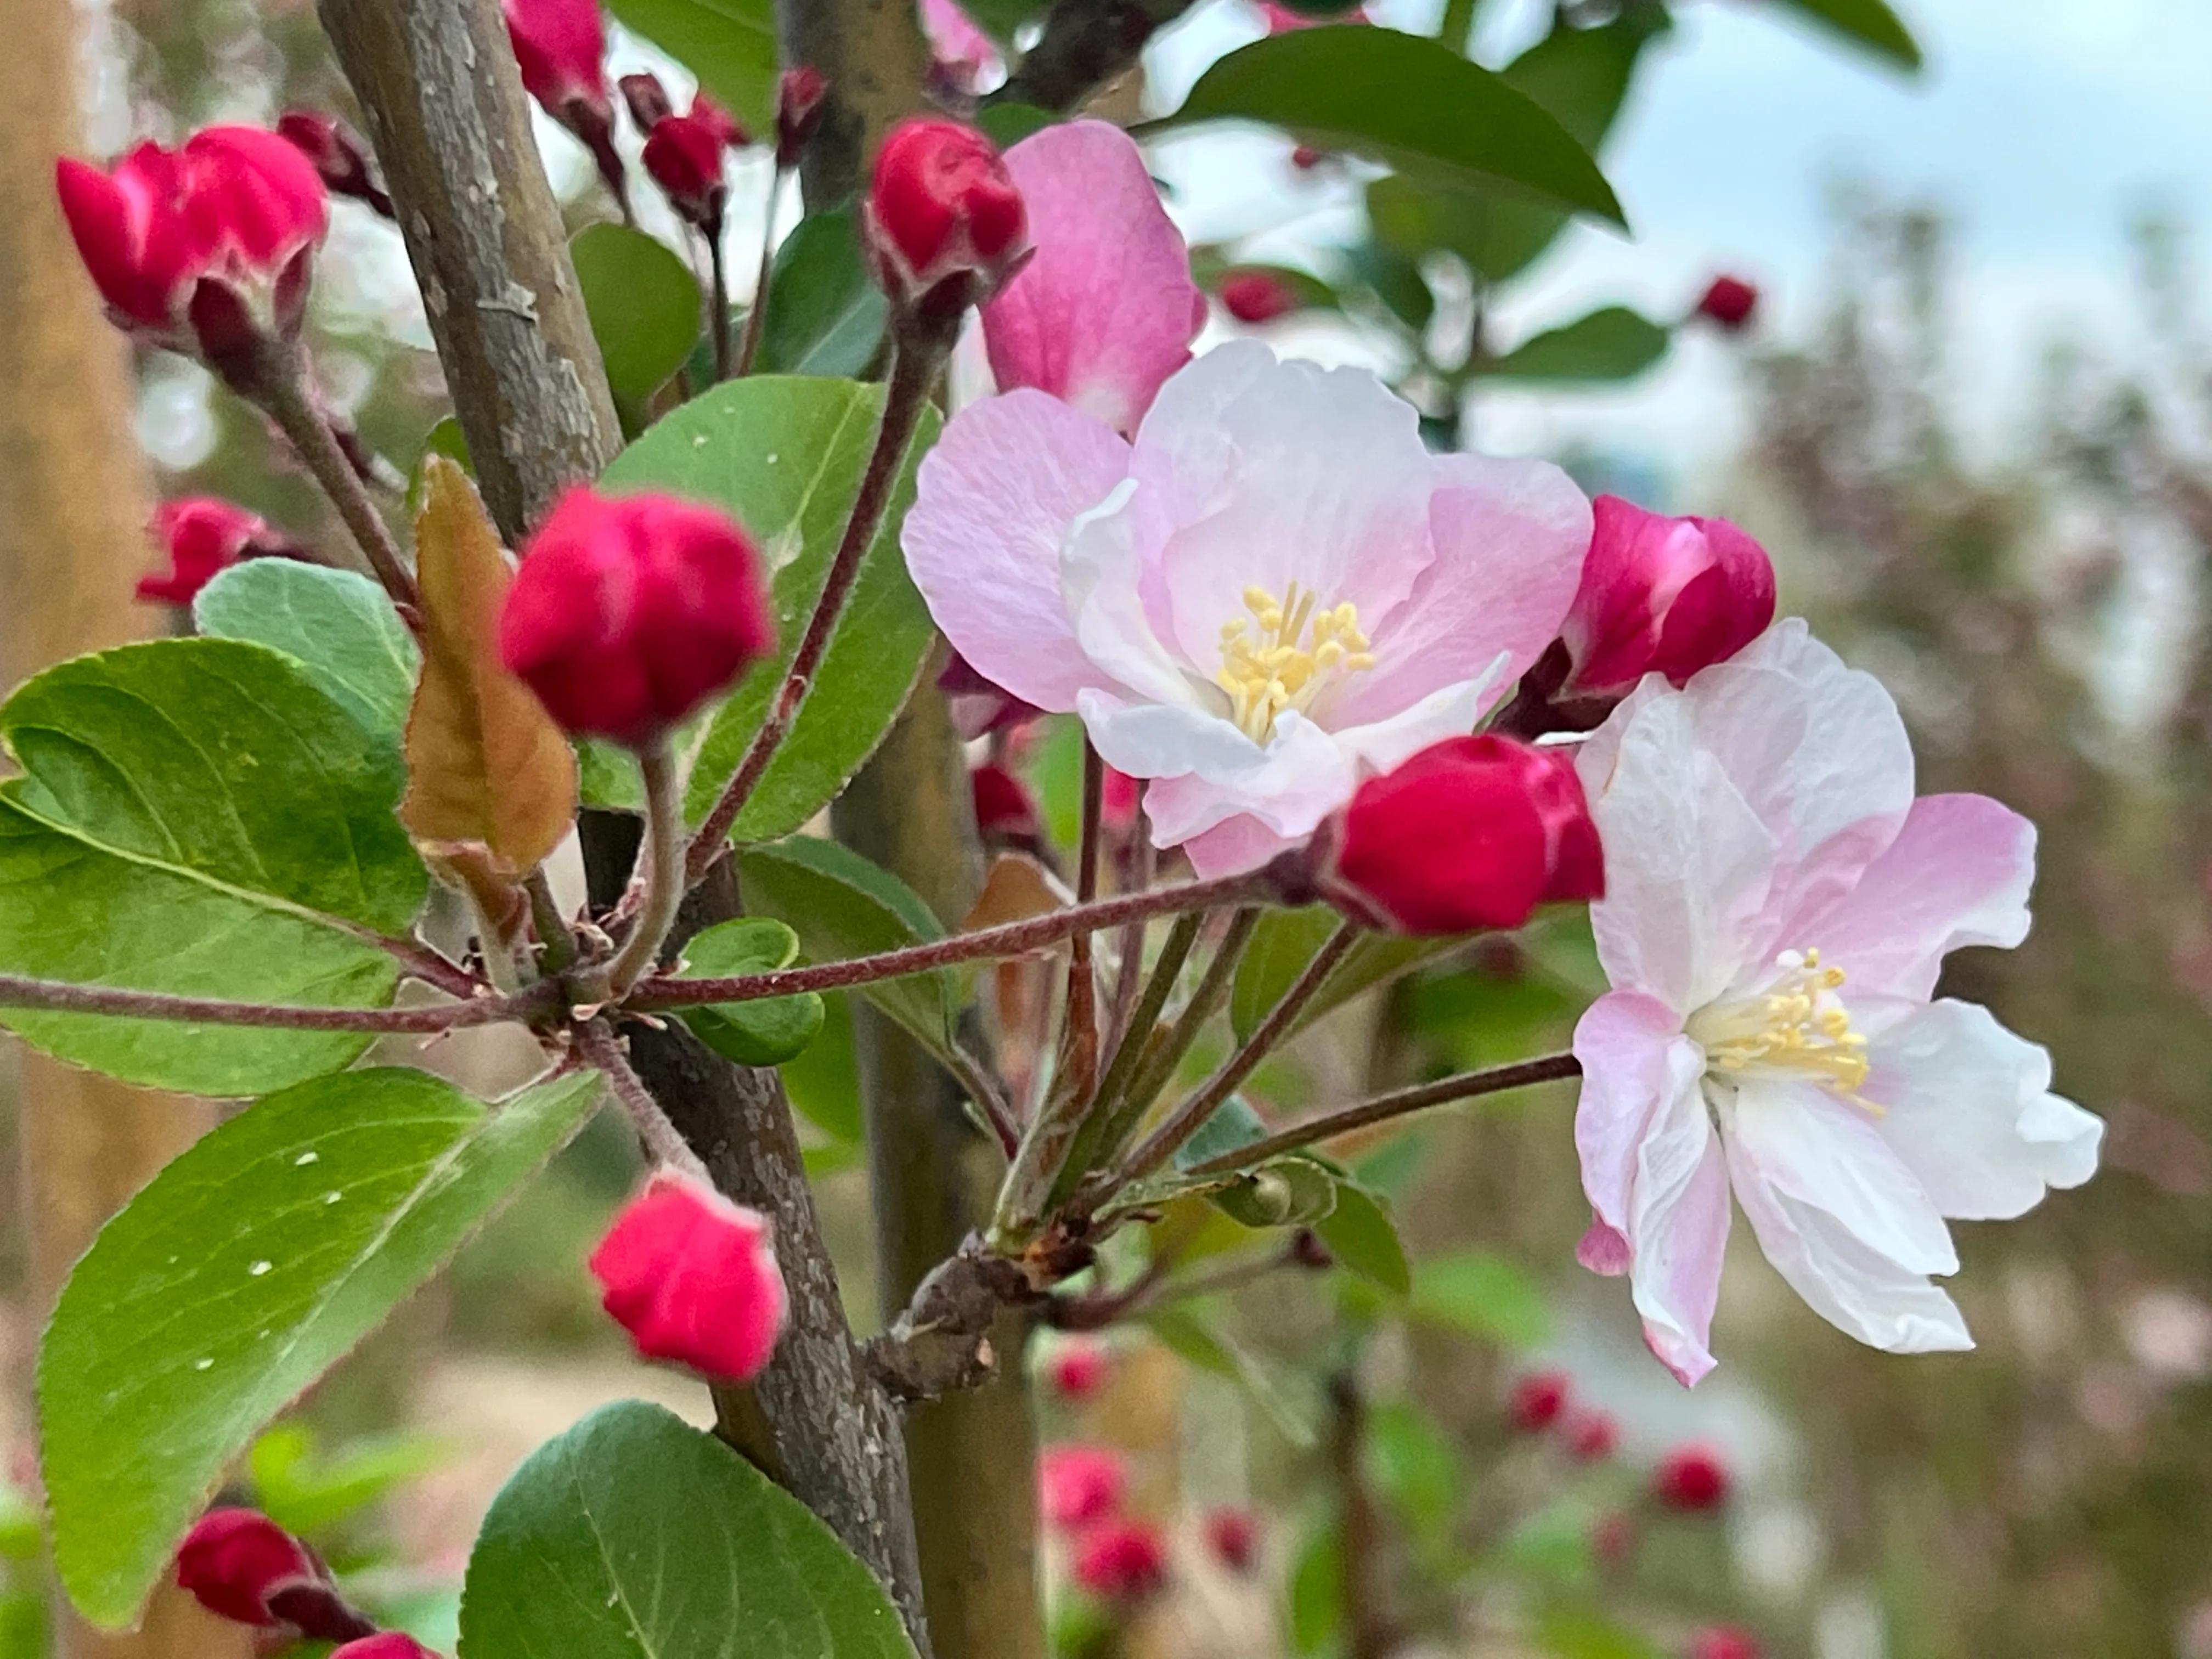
284, 398
1085, 45
1466, 1086
912, 373
990, 1099
1011, 938
603, 1049
58, 996
661, 869
756, 315
419, 961
718, 297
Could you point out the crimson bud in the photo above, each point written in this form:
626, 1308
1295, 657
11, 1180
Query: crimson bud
1123, 1561
392, 1644
800, 92
1537, 1399
1257, 296
945, 225
1233, 1534
1470, 833
647, 100
242, 1566
1662, 595
1305, 158
630, 611
979, 707
684, 154
1692, 1478
1079, 1485
206, 249
559, 47
1005, 813
203, 537
1729, 302
1723, 1642
1077, 1369
1592, 1435
693, 1278
340, 158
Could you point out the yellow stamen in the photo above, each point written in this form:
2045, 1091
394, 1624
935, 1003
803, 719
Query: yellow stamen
1265, 667
1799, 1027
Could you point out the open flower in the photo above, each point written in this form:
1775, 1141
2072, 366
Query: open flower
1777, 907
1272, 591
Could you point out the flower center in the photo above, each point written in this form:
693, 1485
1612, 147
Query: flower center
1285, 654
1798, 1026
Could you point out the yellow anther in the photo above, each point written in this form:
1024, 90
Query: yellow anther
1284, 655
1797, 1027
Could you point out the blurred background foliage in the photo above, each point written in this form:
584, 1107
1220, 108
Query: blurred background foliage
2037, 615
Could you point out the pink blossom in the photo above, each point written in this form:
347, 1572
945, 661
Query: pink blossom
967, 60
1272, 591
1662, 595
1105, 310
1777, 906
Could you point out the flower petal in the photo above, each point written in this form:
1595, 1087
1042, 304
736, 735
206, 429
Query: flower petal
1972, 1115
1678, 1228
1450, 711
1105, 310
996, 497
1634, 1057
1102, 584
1958, 874
1205, 771
1508, 537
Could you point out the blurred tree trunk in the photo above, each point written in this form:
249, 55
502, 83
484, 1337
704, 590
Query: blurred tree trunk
73, 507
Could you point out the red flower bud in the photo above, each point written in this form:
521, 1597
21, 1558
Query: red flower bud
1118, 801
1692, 1478
800, 92
1592, 1435
392, 1644
1232, 1535
630, 611
1723, 1642
1729, 302
559, 47
1537, 1399
1470, 833
693, 1278
1077, 1369
1662, 595
1123, 1561
1305, 158
945, 224
1006, 813
204, 248
685, 154
242, 1566
1256, 296
979, 707
203, 537
647, 100
339, 157
1079, 1484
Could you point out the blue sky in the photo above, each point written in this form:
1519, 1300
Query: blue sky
2040, 125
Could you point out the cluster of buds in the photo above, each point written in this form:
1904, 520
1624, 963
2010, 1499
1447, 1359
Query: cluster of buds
693, 1278
203, 536
1544, 1400
561, 48
944, 225
207, 249
1118, 1558
685, 154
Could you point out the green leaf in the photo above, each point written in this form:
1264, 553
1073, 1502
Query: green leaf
1007, 124
304, 1489
1580, 76
21, 1537
337, 624
1285, 941
1406, 101
1870, 23
1284, 1192
1396, 280
824, 1082
1614, 344
637, 1536
764, 1033
1416, 1466
785, 454
730, 45
1481, 1293
643, 302
1316, 1592
1363, 1237
193, 815
247, 1269
1570, 1633
1201, 1341
826, 313
1233, 1124
842, 906
23, 1624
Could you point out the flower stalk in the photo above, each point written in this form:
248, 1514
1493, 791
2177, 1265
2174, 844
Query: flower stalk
662, 871
282, 395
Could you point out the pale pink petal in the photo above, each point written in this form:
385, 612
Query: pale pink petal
1970, 1112
1205, 771
998, 496
968, 55
1233, 844
1106, 309
1634, 1056
1688, 862
1450, 711
1809, 1146
1958, 874
1855, 1288
1508, 538
1103, 572
1602, 1249
1678, 1228
1282, 473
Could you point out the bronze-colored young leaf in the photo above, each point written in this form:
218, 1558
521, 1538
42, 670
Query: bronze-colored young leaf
485, 763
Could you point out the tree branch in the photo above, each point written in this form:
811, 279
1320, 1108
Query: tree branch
1086, 45
17, 990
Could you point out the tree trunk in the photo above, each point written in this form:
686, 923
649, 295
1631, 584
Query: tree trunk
73, 509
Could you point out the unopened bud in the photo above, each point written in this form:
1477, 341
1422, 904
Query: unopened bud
1729, 302
1537, 1399
945, 225
1723, 1642
1662, 595
800, 95
1122, 1561
392, 1645
1232, 1536
339, 156
1077, 1369
1256, 296
240, 1564
1592, 1435
1079, 1484
1691, 1479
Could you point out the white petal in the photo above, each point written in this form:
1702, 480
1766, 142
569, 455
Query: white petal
1450, 711
1207, 771
1678, 1226
1635, 1058
1102, 574
1972, 1115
